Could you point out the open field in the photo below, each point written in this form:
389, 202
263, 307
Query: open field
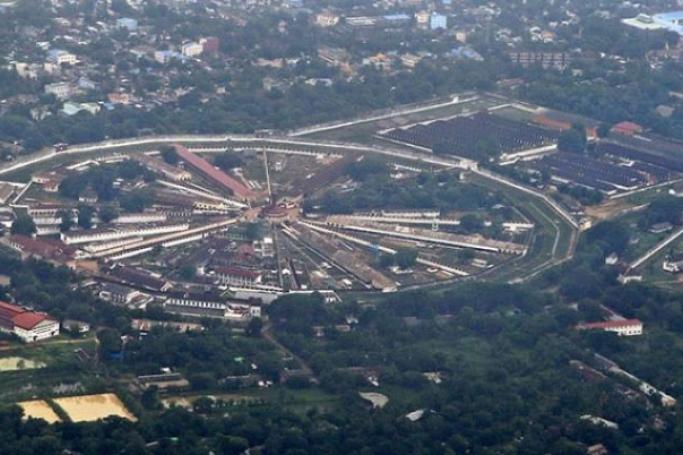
88, 408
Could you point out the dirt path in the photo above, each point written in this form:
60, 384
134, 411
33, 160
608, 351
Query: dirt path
267, 334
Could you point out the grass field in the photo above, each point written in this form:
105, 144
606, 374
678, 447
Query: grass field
59, 365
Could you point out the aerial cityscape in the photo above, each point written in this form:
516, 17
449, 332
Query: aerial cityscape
345, 227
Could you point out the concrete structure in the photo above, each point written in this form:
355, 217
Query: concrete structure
159, 167
28, 325
116, 293
237, 276
235, 312
135, 218
73, 238
164, 57
75, 327
624, 327
62, 90
128, 23
672, 21
660, 228
673, 264
192, 49
60, 57
438, 21
326, 19
431, 236
422, 18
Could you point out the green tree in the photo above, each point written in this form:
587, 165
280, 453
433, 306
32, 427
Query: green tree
227, 161
254, 327
187, 272
66, 220
150, 398
169, 154
136, 200
232, 445
471, 223
573, 140
23, 225
386, 260
108, 213
406, 257
85, 215
253, 231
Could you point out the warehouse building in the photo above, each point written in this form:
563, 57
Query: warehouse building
28, 325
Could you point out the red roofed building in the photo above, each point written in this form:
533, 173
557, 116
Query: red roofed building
237, 276
216, 175
210, 44
627, 128
28, 325
623, 327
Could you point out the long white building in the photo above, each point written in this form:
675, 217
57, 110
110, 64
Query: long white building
73, 238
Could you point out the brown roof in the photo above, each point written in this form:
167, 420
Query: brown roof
7, 309
237, 271
214, 174
627, 128
45, 248
20, 317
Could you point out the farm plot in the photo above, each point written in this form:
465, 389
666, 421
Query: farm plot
39, 409
477, 137
88, 408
